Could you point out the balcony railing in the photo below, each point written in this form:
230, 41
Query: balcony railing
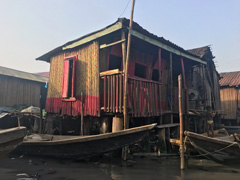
143, 95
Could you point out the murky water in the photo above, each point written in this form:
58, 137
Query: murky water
145, 167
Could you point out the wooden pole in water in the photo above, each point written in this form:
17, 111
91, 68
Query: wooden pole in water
181, 121
126, 123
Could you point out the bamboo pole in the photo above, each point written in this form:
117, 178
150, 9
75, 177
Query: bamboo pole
181, 121
126, 124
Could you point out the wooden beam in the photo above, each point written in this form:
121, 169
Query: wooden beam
110, 72
171, 87
111, 44
123, 36
166, 47
94, 36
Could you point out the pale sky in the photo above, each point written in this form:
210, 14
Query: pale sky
30, 28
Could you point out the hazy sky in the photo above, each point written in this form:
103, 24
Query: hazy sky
30, 28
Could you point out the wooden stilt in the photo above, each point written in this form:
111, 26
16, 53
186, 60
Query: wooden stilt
181, 121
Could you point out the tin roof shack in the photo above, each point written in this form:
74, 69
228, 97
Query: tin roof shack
89, 73
20, 88
230, 96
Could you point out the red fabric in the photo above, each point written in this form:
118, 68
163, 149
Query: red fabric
65, 79
73, 76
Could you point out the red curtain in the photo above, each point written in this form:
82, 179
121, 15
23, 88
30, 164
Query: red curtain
65, 79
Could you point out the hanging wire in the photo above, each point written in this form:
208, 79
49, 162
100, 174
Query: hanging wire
125, 8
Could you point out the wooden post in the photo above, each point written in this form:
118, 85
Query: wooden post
82, 114
126, 123
171, 88
181, 121
123, 49
19, 124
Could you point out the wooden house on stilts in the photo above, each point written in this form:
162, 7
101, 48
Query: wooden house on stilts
87, 75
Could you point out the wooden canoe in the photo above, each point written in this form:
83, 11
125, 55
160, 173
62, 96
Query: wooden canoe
10, 139
81, 147
210, 146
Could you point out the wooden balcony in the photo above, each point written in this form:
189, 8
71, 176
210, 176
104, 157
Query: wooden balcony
143, 95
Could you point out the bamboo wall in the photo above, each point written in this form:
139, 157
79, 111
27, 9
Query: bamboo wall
230, 99
15, 91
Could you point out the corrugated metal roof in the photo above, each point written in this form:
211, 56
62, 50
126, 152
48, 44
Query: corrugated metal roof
231, 79
125, 22
23, 75
44, 74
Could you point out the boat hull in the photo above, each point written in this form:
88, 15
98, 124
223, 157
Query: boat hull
10, 139
81, 147
213, 145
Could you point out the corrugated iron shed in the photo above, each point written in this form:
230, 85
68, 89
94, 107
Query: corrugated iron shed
230, 79
23, 75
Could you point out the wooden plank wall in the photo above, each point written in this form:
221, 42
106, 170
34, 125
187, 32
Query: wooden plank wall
229, 100
15, 91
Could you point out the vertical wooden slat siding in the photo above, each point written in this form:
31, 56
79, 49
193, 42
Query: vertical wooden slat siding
105, 93
131, 96
160, 99
117, 93
138, 99
120, 94
109, 86
156, 100
111, 101
15, 91
141, 92
114, 94
134, 98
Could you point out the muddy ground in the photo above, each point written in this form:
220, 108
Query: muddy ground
140, 166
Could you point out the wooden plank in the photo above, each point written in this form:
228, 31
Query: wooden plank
109, 84
111, 101
94, 36
117, 93
123, 36
105, 93
159, 65
168, 125
110, 72
120, 93
111, 44
141, 98
166, 47
137, 98
134, 98
114, 94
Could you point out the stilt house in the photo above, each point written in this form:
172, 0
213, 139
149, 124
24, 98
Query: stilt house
87, 75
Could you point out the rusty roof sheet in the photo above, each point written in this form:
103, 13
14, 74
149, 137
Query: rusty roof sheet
23, 75
231, 79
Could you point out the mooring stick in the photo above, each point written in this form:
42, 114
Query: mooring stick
181, 121
19, 123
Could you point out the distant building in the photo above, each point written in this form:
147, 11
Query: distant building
21, 88
230, 94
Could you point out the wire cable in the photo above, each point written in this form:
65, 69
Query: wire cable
125, 8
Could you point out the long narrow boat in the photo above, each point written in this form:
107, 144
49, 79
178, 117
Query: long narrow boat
211, 146
81, 147
10, 139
